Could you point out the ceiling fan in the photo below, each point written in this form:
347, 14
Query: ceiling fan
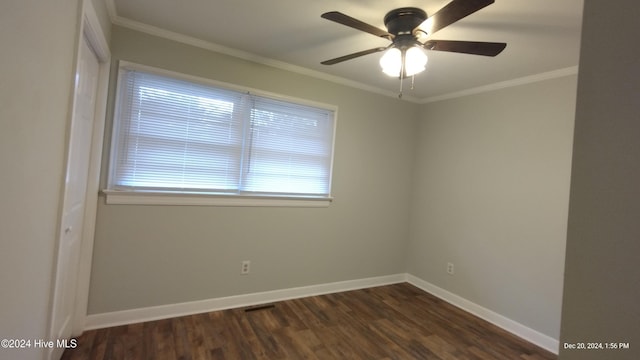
404, 28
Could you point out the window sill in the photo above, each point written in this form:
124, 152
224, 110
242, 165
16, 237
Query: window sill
116, 197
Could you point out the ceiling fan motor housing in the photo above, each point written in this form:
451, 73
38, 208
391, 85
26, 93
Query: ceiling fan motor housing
403, 21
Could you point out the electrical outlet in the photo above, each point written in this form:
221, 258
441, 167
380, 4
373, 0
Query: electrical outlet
450, 269
246, 267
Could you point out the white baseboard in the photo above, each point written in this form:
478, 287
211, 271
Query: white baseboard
97, 321
546, 342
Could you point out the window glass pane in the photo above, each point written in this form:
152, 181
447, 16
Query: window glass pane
177, 135
290, 148
171, 134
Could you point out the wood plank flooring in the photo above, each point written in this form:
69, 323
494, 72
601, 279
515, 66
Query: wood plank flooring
396, 321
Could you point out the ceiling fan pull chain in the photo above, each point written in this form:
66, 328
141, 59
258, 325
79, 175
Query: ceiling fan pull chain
401, 75
403, 59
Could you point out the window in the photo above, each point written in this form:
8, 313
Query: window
176, 136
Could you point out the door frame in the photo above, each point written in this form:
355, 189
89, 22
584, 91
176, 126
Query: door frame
89, 30
92, 32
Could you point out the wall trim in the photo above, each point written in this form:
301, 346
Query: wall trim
572, 70
544, 341
189, 40
92, 32
124, 317
244, 55
118, 197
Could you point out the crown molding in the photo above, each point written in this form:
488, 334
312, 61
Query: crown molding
244, 55
572, 70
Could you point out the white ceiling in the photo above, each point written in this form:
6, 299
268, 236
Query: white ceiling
542, 36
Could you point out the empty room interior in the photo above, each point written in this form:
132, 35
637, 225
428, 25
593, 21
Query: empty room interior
502, 184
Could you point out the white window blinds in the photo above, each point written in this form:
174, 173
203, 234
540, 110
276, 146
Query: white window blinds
179, 136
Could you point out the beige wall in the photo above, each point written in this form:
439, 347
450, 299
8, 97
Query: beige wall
499, 221
491, 185
602, 274
38, 40
488, 191
152, 255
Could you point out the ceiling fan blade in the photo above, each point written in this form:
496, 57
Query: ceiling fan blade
347, 20
467, 47
353, 56
452, 12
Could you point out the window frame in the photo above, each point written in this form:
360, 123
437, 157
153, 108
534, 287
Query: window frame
205, 198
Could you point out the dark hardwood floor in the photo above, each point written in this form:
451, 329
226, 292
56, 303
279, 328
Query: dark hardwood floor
389, 322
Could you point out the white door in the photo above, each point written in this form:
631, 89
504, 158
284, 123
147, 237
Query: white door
75, 192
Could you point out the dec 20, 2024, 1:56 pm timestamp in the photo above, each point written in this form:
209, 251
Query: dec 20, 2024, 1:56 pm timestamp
597, 346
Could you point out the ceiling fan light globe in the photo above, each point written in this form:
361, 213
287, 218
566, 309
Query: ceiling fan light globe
415, 61
391, 62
